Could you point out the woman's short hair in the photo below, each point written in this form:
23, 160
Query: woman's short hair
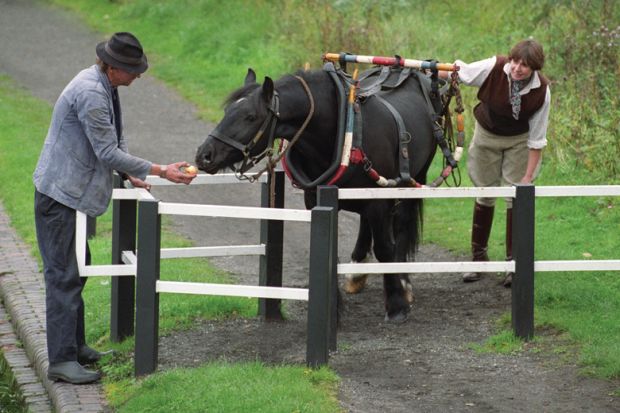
529, 52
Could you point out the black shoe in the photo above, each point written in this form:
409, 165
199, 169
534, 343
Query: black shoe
87, 355
71, 372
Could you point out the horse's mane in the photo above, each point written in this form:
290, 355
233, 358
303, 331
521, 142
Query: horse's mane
246, 90
243, 91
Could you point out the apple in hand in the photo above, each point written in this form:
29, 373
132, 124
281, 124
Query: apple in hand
191, 170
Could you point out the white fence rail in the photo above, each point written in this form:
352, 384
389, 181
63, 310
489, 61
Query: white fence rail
139, 194
323, 262
472, 192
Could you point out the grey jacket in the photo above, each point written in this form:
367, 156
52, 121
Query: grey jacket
82, 149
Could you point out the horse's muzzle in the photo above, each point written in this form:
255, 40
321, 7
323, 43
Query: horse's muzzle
204, 158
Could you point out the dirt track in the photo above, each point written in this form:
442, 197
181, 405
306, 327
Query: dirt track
423, 365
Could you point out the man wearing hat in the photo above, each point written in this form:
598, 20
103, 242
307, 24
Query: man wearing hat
84, 145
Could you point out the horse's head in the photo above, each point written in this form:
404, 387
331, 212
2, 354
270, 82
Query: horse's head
250, 115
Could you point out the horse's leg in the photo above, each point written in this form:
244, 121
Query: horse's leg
396, 303
406, 219
354, 283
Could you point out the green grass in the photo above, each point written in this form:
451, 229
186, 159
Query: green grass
11, 398
503, 343
24, 121
584, 304
247, 387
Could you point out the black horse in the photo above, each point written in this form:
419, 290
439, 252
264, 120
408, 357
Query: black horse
308, 102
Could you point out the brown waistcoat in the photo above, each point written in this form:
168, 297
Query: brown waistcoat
494, 111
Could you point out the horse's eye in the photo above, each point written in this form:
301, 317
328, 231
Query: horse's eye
250, 118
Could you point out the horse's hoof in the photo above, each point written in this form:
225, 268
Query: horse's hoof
397, 318
355, 283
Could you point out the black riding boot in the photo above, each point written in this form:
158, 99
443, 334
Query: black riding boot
480, 231
508, 280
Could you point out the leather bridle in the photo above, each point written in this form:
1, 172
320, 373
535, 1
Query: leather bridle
269, 124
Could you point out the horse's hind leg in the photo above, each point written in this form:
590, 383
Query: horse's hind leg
396, 302
405, 239
354, 283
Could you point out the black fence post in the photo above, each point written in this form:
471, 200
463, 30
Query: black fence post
147, 298
319, 294
123, 287
523, 225
272, 235
328, 196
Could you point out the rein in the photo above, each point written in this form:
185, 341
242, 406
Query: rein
272, 162
269, 123
248, 160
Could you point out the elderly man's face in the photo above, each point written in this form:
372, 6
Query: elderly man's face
120, 77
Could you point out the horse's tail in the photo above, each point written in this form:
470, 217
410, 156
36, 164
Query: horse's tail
408, 219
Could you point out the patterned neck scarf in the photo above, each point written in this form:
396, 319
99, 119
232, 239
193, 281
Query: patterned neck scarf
515, 98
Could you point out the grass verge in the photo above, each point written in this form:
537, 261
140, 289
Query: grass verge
11, 398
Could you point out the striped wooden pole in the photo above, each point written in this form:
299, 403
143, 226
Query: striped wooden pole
390, 61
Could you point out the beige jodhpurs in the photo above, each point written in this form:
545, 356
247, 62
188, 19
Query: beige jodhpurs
494, 160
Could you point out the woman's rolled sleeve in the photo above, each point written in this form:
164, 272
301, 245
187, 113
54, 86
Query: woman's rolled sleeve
474, 74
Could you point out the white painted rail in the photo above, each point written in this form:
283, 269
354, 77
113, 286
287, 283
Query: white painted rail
425, 192
591, 190
226, 250
579, 265
203, 179
350, 194
425, 267
469, 266
131, 194
231, 290
235, 212
475, 192
80, 252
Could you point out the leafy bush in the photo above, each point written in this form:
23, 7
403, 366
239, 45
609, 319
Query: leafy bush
586, 113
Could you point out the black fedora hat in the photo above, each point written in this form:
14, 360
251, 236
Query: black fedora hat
123, 51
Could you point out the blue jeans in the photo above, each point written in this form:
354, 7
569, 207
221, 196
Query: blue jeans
64, 307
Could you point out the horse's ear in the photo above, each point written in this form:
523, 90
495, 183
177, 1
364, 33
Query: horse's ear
268, 89
250, 78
